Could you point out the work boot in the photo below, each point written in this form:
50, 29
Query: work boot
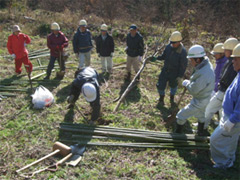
138, 78
128, 76
46, 78
179, 129
172, 99
160, 101
201, 131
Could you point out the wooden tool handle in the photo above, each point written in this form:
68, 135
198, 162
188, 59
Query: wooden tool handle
64, 159
39, 160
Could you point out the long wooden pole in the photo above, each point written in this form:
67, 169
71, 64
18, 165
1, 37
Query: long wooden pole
133, 83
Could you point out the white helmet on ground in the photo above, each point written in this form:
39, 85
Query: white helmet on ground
55, 26
217, 49
196, 51
89, 92
104, 27
83, 22
176, 36
230, 44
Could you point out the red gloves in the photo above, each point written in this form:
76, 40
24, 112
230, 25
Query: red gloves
60, 47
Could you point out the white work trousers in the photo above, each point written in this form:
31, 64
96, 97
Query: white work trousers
107, 64
223, 144
214, 106
84, 59
195, 108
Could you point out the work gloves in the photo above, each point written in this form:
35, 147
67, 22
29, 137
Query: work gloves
13, 56
179, 81
186, 82
152, 59
228, 125
126, 49
77, 55
60, 47
70, 99
140, 58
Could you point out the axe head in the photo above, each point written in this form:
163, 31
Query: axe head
77, 150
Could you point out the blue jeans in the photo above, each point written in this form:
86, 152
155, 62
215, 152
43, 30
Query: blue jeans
162, 83
51, 64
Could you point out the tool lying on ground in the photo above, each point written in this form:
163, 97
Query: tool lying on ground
75, 152
83, 134
58, 147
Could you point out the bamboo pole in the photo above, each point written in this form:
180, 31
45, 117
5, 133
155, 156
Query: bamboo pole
136, 131
136, 145
125, 135
128, 89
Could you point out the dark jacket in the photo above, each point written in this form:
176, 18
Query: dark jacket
175, 61
227, 76
135, 45
87, 74
105, 47
82, 41
219, 66
53, 41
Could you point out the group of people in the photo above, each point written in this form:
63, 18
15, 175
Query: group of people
212, 90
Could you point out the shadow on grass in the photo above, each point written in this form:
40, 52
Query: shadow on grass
63, 93
103, 77
133, 95
73, 133
9, 81
199, 161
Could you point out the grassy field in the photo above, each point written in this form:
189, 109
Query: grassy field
27, 134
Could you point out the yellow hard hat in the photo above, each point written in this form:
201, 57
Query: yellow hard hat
230, 43
217, 49
236, 51
55, 26
176, 36
83, 22
104, 27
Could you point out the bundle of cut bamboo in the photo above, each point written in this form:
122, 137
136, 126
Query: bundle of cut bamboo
88, 135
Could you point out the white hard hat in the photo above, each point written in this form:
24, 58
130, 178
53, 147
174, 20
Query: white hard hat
16, 28
230, 43
217, 49
104, 27
176, 36
236, 51
196, 51
89, 92
55, 26
83, 22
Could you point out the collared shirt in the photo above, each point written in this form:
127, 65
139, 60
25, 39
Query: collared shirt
231, 102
